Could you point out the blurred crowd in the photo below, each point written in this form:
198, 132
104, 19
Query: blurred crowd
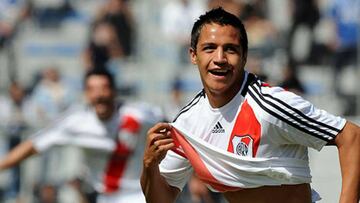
285, 38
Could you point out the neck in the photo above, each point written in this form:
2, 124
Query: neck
219, 99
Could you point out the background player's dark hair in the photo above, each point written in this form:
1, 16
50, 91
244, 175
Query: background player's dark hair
221, 17
100, 72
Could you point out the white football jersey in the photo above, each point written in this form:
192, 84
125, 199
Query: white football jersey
259, 138
113, 149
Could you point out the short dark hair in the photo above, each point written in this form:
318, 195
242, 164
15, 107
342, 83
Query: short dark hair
221, 17
100, 72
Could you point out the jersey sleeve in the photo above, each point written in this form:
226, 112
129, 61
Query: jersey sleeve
175, 169
136, 119
53, 134
298, 121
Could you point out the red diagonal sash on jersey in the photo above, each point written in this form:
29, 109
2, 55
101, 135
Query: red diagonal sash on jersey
246, 133
116, 168
199, 167
118, 160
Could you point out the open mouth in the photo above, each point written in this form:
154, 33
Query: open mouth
219, 72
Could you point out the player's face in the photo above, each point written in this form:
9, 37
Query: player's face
100, 95
219, 59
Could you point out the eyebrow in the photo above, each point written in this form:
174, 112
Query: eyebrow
225, 45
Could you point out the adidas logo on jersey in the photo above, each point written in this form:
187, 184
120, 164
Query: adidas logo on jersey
218, 128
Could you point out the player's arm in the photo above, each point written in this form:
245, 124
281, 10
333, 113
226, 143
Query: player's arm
16, 155
348, 143
154, 186
37, 143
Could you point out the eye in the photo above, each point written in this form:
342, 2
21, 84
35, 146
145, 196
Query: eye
208, 48
231, 49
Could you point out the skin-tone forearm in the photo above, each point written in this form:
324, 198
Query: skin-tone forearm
19, 153
348, 143
154, 186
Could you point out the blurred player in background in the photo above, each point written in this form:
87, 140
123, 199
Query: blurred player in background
109, 132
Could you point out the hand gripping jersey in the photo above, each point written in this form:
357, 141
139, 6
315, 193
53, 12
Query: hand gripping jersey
113, 149
259, 138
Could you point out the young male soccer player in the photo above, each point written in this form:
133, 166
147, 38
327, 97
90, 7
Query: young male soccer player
241, 136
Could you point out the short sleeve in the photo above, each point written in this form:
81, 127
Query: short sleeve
175, 169
298, 121
54, 134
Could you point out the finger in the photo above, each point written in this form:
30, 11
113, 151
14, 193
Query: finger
157, 144
162, 149
157, 153
160, 127
158, 136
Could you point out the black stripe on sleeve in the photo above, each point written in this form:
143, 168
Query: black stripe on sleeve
294, 124
300, 113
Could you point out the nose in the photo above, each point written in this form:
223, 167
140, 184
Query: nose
97, 92
220, 56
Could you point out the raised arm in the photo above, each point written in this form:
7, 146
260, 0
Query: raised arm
154, 186
348, 143
18, 154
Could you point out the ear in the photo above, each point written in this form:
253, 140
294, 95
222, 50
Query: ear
244, 60
193, 56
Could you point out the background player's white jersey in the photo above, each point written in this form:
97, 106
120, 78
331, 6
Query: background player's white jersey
113, 149
259, 138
